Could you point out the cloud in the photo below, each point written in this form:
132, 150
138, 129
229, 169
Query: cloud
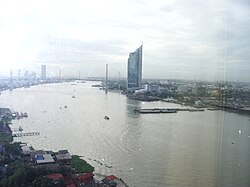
181, 38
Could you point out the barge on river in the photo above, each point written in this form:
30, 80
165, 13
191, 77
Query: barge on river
166, 110
155, 110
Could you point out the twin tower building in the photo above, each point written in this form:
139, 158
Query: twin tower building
135, 69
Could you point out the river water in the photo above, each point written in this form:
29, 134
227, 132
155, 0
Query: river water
210, 148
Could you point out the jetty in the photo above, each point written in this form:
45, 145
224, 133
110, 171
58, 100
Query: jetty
26, 134
166, 110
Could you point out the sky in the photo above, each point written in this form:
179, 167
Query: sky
182, 39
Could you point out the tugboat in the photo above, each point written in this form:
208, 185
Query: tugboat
106, 117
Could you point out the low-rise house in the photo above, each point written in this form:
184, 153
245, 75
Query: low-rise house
64, 157
57, 179
111, 181
55, 176
26, 150
85, 178
45, 161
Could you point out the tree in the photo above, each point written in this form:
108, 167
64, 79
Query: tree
81, 165
42, 182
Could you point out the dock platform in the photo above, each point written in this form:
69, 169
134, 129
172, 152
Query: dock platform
26, 134
166, 110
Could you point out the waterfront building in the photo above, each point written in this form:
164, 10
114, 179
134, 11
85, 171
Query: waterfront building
43, 72
64, 157
44, 159
135, 69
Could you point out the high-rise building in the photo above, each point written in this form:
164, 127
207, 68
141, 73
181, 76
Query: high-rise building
106, 82
43, 72
135, 69
11, 80
19, 74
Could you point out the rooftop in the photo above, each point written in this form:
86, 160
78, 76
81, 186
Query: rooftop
55, 176
44, 158
63, 156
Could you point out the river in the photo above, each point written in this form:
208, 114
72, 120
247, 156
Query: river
210, 148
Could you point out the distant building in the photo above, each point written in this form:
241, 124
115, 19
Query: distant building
11, 81
19, 74
26, 74
153, 88
135, 69
32, 76
43, 72
182, 88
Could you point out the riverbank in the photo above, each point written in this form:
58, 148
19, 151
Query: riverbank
22, 165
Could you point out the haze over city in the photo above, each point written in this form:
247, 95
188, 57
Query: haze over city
181, 39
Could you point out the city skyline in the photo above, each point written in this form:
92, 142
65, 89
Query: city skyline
207, 40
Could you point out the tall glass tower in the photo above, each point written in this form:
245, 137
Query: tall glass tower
135, 69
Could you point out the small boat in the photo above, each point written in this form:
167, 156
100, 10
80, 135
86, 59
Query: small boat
106, 117
20, 128
73, 96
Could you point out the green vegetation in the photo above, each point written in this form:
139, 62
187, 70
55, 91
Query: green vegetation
81, 165
23, 175
46, 182
13, 149
5, 138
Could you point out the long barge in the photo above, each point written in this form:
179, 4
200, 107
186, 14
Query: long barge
155, 110
165, 110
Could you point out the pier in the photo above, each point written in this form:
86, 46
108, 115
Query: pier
166, 110
26, 134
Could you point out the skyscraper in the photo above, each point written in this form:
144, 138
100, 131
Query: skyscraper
11, 80
135, 69
43, 72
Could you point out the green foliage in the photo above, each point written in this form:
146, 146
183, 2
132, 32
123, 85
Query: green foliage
81, 165
5, 138
47, 182
23, 175
42, 182
64, 171
18, 179
60, 183
13, 149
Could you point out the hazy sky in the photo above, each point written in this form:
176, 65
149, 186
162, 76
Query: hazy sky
181, 38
